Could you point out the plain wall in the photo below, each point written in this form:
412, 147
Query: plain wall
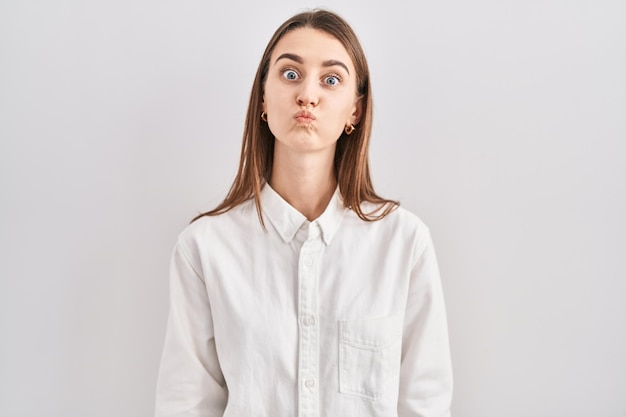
502, 124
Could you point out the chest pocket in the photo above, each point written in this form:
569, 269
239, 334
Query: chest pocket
369, 355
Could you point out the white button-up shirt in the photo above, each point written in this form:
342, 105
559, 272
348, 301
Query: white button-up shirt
337, 317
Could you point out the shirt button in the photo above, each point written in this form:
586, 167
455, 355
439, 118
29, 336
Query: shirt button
309, 321
308, 261
309, 383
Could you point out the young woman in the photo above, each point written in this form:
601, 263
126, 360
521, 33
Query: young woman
305, 293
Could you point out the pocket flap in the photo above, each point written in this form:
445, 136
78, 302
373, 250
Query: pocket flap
372, 334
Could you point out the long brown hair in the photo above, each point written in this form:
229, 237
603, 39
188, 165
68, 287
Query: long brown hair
351, 154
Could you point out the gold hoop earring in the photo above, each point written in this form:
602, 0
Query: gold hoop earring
349, 129
264, 116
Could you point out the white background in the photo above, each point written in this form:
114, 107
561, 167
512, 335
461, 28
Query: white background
502, 124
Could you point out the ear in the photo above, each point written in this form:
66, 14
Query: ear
357, 111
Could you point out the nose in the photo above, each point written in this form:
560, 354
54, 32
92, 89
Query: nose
308, 94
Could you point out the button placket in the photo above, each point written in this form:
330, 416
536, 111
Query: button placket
308, 331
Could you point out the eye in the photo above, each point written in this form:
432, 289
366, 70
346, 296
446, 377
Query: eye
290, 74
332, 80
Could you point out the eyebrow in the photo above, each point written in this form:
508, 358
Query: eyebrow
299, 60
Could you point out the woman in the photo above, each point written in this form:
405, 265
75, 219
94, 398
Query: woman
305, 293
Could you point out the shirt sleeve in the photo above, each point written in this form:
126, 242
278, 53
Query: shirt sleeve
190, 381
426, 369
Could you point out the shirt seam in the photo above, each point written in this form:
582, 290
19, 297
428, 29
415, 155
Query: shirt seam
183, 252
427, 243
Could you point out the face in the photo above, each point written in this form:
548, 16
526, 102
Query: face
310, 91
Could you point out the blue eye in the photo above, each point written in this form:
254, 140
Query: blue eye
290, 75
331, 80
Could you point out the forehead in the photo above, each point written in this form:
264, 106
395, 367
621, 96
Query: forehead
313, 45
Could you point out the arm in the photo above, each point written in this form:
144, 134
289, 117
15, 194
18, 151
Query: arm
190, 380
426, 370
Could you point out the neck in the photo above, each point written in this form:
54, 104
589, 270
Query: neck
306, 182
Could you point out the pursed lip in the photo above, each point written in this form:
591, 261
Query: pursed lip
304, 116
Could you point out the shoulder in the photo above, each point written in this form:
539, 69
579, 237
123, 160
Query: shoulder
400, 226
401, 217
398, 218
210, 230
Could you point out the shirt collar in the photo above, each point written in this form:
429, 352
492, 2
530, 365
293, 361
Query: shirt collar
287, 220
